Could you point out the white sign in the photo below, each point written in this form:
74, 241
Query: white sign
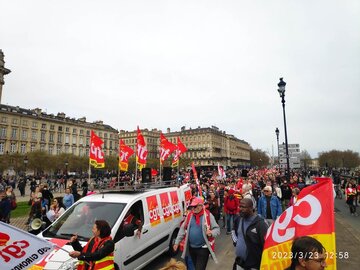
19, 249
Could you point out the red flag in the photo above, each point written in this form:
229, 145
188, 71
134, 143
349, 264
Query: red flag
311, 215
141, 151
166, 148
124, 154
180, 149
154, 172
196, 179
96, 154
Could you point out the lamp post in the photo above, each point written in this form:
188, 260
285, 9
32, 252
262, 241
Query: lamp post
281, 91
66, 167
25, 163
277, 140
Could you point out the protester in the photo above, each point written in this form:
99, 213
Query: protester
248, 237
68, 199
12, 198
286, 195
46, 194
174, 265
98, 253
269, 206
130, 218
36, 208
56, 209
307, 254
198, 234
350, 193
5, 206
294, 197
21, 186
213, 203
231, 206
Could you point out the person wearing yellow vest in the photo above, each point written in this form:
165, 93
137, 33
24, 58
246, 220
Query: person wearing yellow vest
98, 253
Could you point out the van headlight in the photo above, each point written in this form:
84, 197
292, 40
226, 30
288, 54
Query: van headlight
70, 264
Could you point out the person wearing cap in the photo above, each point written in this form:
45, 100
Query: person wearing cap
197, 235
231, 207
269, 206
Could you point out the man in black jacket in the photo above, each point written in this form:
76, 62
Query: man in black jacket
248, 237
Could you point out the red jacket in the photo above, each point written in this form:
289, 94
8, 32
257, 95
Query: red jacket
231, 204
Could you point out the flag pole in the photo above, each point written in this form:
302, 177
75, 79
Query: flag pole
160, 170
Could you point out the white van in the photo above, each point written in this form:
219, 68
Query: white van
160, 210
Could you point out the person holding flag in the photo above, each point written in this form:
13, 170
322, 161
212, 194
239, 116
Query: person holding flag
98, 253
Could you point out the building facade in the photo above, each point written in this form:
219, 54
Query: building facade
206, 146
23, 131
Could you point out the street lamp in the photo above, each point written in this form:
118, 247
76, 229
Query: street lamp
277, 140
25, 163
66, 166
281, 91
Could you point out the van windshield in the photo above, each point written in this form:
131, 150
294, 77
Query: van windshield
80, 219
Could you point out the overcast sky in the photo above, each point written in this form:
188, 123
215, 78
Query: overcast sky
160, 64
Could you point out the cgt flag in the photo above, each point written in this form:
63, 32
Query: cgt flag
125, 153
141, 150
312, 215
180, 149
166, 148
19, 249
96, 155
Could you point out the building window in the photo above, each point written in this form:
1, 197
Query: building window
105, 135
34, 124
67, 149
51, 137
59, 138
24, 122
43, 126
73, 150
100, 134
23, 148
67, 138
81, 152
74, 130
87, 152
2, 146
15, 121
67, 129
87, 141
111, 144
24, 135
42, 136
81, 132
52, 127
81, 141
42, 147
73, 139
3, 119
58, 150
60, 128
3, 132
111, 136
88, 133
34, 135
32, 148
51, 150
14, 133
12, 147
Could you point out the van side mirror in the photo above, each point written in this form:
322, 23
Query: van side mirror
129, 229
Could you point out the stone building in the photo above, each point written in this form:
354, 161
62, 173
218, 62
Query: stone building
23, 131
206, 146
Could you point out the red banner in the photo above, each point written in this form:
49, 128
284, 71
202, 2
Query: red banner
166, 148
175, 202
96, 154
141, 151
124, 154
154, 212
180, 149
311, 215
166, 207
187, 195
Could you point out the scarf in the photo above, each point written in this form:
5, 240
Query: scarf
198, 215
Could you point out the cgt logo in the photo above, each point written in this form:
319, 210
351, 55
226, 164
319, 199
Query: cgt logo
15, 250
